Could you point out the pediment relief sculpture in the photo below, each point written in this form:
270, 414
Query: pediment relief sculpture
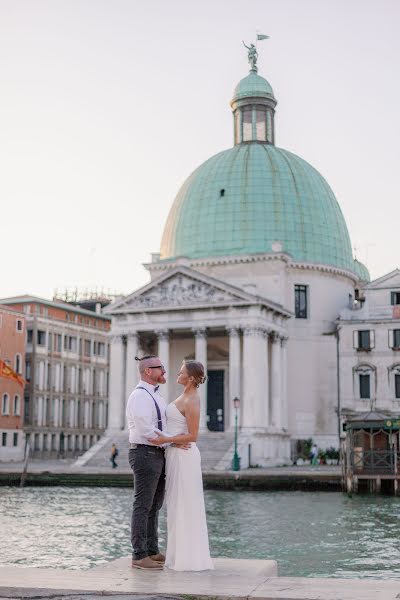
181, 291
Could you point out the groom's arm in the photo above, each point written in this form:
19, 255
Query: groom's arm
140, 412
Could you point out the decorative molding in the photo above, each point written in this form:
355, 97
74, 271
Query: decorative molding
116, 338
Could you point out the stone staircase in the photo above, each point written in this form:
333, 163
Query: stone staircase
213, 447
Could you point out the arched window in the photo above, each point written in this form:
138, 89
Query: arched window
18, 364
5, 405
365, 382
17, 406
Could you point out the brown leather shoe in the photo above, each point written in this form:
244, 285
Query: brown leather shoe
146, 563
160, 558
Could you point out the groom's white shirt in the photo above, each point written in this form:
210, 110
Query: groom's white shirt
141, 413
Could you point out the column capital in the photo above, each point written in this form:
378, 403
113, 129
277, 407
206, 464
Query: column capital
233, 330
254, 330
275, 337
116, 338
200, 332
284, 339
132, 335
162, 334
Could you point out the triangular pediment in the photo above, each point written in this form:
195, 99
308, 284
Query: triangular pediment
182, 288
390, 280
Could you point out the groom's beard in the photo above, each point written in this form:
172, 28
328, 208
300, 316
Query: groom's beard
162, 379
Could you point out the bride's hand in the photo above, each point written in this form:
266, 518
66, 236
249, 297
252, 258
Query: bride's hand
159, 440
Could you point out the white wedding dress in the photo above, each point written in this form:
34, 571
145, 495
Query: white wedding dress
187, 546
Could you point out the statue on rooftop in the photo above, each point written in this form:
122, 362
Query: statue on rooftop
252, 56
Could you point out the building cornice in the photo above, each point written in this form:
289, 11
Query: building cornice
163, 265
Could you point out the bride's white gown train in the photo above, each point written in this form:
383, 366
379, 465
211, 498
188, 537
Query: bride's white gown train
187, 546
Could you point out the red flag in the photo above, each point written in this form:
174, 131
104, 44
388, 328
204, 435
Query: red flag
7, 372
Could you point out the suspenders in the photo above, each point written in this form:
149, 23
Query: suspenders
156, 405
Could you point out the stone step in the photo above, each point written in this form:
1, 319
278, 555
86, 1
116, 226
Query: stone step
213, 447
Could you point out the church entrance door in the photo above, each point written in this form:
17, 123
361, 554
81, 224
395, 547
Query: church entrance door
215, 400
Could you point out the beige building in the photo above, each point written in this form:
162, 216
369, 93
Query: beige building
67, 374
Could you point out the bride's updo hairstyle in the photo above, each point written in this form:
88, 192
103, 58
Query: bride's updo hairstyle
196, 370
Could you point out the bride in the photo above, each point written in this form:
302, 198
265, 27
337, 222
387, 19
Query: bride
187, 547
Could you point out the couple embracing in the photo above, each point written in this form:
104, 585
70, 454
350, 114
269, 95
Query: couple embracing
166, 461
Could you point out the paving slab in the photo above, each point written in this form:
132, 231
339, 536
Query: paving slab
310, 588
232, 578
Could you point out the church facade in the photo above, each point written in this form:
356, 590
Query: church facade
254, 269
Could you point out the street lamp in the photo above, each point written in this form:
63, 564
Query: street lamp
236, 457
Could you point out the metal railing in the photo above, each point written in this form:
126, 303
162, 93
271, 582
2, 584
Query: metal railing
375, 461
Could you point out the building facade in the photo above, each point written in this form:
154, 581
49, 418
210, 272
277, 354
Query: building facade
67, 376
12, 354
369, 349
254, 269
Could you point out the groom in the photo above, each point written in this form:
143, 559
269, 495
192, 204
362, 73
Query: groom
145, 413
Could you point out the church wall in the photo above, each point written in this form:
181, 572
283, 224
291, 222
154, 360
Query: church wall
312, 363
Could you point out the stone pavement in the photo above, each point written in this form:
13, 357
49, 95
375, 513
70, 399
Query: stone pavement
231, 579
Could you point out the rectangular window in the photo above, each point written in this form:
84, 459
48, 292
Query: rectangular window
364, 339
19, 325
29, 335
28, 370
301, 301
57, 342
247, 125
4, 439
397, 385
365, 387
261, 125
15, 439
396, 338
87, 347
394, 298
41, 338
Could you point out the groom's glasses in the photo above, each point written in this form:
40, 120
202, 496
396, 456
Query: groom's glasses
158, 367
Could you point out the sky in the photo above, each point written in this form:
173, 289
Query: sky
106, 106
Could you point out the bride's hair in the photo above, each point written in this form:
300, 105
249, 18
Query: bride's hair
196, 370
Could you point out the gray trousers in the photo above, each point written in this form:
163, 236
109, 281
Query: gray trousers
148, 465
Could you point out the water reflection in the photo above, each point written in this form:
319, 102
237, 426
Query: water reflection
310, 534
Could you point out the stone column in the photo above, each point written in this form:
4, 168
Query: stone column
255, 409
86, 415
234, 370
117, 383
71, 413
276, 381
40, 411
163, 355
56, 416
200, 352
284, 398
132, 371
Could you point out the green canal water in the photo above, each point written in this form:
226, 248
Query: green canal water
309, 534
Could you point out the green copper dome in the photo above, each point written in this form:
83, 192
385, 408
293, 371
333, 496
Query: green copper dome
244, 199
252, 86
361, 270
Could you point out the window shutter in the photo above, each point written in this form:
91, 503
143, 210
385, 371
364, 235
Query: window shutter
372, 339
355, 339
391, 338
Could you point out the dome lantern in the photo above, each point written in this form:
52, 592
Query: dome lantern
253, 106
